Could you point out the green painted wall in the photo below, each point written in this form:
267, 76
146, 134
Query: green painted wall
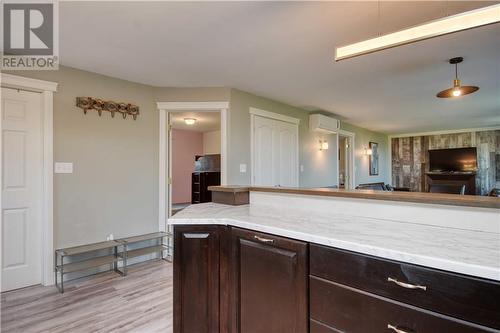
114, 185
361, 141
319, 166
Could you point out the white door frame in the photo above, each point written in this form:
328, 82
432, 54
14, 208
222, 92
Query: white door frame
164, 171
350, 157
276, 116
46, 89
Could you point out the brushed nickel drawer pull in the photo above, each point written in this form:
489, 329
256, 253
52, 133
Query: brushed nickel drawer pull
196, 235
263, 240
406, 285
396, 329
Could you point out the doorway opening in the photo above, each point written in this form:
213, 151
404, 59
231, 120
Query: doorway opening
166, 109
195, 157
346, 160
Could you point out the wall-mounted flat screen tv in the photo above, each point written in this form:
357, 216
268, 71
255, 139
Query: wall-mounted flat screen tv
453, 160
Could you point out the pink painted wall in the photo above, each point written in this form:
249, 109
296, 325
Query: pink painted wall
185, 145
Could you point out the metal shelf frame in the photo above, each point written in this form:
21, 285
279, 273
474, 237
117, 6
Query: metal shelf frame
118, 249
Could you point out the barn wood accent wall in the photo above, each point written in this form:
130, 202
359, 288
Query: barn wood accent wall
410, 158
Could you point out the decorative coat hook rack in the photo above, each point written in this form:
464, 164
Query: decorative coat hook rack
90, 103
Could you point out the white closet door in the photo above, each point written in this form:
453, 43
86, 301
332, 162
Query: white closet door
263, 145
275, 152
287, 152
21, 189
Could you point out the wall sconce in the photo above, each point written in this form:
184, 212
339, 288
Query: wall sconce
323, 145
368, 151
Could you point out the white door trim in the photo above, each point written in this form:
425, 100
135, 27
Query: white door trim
198, 106
47, 89
164, 108
273, 115
351, 157
26, 83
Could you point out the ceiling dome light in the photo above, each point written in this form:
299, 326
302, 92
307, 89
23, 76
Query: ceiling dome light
457, 89
189, 121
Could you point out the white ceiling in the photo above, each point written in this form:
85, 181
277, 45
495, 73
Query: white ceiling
205, 121
284, 51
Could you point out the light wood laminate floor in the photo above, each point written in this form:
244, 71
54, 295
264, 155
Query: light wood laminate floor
140, 302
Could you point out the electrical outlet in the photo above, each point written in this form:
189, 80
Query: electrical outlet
110, 237
63, 167
243, 168
301, 168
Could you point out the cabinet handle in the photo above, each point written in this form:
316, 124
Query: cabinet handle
406, 285
191, 235
263, 240
396, 329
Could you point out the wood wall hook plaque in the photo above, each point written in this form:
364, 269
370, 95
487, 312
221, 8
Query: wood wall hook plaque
99, 105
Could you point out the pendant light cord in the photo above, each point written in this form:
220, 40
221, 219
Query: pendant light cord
378, 18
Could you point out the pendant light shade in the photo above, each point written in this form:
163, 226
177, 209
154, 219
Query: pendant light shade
457, 90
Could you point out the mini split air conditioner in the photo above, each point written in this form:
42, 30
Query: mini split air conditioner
322, 123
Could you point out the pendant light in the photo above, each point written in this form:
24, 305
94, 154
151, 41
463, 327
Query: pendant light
457, 89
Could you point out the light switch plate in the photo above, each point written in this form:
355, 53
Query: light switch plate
63, 167
243, 168
301, 168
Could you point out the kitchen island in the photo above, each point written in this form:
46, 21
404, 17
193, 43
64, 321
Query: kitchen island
293, 261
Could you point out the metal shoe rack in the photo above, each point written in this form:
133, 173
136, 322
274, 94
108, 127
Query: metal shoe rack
119, 251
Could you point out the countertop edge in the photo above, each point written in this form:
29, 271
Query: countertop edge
416, 259
229, 188
413, 197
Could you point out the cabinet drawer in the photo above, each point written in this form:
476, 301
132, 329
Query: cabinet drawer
353, 311
468, 298
317, 327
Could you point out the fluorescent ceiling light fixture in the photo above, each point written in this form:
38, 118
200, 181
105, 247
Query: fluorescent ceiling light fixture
463, 21
189, 121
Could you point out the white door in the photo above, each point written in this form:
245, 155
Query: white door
288, 153
22, 161
346, 144
275, 152
349, 159
264, 145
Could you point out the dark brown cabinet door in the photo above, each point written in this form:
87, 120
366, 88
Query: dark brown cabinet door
196, 279
269, 283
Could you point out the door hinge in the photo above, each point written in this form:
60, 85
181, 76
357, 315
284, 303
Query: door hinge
169, 181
